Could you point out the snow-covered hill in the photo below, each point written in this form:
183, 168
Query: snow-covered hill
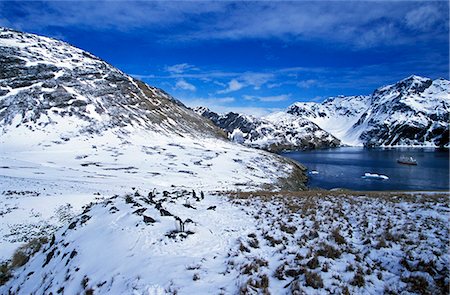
276, 132
45, 84
72, 127
411, 112
62, 107
185, 242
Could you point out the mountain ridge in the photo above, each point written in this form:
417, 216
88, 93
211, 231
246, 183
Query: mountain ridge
275, 133
40, 73
411, 112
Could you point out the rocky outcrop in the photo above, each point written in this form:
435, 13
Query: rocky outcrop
42, 80
277, 132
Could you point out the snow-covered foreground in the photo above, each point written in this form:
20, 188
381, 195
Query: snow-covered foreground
133, 244
348, 243
38, 181
185, 242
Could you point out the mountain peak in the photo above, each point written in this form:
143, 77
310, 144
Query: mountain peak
200, 110
413, 111
44, 81
411, 84
414, 77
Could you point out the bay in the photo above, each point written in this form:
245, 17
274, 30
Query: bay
344, 168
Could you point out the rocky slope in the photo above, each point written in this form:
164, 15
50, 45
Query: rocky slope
54, 96
411, 112
274, 133
72, 127
43, 80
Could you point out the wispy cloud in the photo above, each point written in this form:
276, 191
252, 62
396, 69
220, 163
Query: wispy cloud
182, 84
180, 68
423, 17
255, 80
353, 24
307, 83
275, 98
233, 85
348, 23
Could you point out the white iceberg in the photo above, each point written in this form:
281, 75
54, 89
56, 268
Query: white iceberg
368, 175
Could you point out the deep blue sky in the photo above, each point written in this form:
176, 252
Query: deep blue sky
251, 56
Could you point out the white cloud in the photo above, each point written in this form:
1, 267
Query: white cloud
344, 22
274, 85
182, 84
306, 83
275, 98
180, 68
354, 24
256, 79
247, 79
423, 17
233, 85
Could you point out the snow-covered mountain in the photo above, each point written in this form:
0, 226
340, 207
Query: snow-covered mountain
73, 127
45, 82
108, 186
276, 132
54, 97
411, 112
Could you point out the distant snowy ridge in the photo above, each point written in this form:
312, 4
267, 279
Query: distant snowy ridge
411, 112
276, 132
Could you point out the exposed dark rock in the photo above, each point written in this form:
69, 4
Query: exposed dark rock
272, 135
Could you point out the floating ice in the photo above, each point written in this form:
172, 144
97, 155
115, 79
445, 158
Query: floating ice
368, 175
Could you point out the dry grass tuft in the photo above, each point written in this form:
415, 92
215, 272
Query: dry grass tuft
313, 280
24, 253
328, 251
338, 238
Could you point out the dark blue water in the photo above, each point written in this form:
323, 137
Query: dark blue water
343, 168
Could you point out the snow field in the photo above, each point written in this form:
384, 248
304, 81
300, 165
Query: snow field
182, 241
37, 178
133, 244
